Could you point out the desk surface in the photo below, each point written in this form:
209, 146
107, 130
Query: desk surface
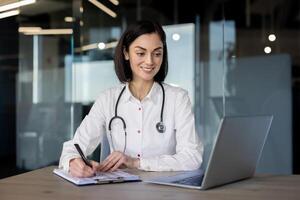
43, 184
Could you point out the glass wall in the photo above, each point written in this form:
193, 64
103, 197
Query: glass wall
258, 68
234, 58
45, 118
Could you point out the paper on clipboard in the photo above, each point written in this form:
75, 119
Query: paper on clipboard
100, 178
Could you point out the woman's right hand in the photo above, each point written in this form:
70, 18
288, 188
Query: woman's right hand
79, 169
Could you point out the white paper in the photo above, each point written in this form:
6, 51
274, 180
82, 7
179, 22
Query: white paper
99, 178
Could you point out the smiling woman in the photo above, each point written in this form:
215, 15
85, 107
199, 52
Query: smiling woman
145, 56
159, 137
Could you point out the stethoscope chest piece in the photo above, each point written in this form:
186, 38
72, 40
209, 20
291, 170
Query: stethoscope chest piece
160, 126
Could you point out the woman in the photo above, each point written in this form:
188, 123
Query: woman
150, 124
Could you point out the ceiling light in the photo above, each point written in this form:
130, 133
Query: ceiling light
9, 13
86, 47
104, 8
16, 5
50, 32
111, 45
267, 50
115, 2
176, 37
29, 29
69, 19
101, 45
272, 37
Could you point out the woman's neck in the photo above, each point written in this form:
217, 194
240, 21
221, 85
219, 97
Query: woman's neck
140, 89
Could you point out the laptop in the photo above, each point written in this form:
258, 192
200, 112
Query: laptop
234, 156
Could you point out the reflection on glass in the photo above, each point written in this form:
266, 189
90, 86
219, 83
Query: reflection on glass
44, 119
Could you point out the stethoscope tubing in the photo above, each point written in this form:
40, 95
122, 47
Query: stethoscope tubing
159, 126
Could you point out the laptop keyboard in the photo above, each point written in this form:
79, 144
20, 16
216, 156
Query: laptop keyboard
194, 181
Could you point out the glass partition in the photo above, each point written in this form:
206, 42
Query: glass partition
258, 76
261, 85
45, 119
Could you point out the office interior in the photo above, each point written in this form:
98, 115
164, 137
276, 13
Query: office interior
234, 57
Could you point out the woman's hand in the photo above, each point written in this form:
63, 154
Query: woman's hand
79, 169
116, 160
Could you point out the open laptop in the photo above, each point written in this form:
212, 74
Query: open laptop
234, 156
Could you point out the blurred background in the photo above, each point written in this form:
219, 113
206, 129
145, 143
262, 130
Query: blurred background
235, 57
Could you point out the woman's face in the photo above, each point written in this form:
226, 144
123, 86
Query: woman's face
145, 55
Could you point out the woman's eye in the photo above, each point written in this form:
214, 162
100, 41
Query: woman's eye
158, 54
140, 54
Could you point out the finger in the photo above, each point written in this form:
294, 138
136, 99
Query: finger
95, 165
79, 169
85, 167
112, 162
88, 171
76, 171
105, 162
108, 160
113, 154
117, 165
75, 167
82, 173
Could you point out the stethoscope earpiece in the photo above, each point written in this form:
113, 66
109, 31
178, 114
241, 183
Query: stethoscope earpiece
161, 128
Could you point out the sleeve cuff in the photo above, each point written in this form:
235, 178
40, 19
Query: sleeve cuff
149, 164
65, 163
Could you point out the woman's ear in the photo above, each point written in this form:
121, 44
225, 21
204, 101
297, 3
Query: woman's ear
125, 54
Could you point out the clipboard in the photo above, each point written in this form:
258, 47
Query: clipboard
118, 176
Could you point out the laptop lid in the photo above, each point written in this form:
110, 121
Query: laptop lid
235, 154
237, 149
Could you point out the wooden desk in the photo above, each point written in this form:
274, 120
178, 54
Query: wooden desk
43, 184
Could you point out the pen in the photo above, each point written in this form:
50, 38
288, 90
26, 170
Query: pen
85, 160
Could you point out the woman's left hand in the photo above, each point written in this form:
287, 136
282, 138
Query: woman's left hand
116, 160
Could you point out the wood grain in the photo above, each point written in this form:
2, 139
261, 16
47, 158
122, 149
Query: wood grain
43, 184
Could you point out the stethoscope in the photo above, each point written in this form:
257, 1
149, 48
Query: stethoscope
160, 126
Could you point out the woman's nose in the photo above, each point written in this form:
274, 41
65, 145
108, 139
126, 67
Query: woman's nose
149, 59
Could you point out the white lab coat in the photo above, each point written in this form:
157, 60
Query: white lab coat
178, 148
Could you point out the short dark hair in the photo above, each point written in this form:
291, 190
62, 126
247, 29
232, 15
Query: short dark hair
122, 66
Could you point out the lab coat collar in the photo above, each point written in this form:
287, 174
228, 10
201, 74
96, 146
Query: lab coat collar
152, 95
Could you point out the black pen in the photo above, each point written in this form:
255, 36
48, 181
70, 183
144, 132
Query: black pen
85, 160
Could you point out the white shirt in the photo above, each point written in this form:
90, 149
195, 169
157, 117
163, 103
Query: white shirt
178, 148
